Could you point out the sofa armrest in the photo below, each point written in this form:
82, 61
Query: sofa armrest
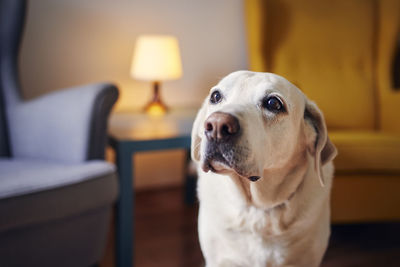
67, 125
388, 38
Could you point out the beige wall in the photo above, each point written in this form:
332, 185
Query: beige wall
71, 42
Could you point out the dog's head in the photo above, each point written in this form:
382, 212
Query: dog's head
253, 123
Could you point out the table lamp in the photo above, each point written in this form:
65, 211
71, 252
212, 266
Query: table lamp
156, 58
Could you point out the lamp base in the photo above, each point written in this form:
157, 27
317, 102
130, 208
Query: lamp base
156, 105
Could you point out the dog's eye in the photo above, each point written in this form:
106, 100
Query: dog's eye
215, 97
273, 104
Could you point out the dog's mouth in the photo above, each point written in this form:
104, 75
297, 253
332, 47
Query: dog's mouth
216, 163
223, 159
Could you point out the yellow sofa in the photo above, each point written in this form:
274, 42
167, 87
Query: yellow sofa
340, 53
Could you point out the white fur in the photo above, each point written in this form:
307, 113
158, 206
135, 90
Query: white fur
283, 218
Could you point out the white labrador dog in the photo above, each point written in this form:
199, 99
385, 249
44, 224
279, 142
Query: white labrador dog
265, 174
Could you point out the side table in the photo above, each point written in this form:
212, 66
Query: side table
130, 133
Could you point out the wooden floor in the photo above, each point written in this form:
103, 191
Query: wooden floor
166, 235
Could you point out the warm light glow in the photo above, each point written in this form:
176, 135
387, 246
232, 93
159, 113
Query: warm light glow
156, 58
155, 109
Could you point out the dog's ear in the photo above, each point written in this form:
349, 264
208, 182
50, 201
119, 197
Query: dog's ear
196, 139
322, 147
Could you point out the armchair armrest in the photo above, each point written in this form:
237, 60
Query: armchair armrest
67, 125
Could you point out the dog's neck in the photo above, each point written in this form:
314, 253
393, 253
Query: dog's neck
278, 185
280, 202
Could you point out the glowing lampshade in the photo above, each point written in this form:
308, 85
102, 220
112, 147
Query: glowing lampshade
156, 58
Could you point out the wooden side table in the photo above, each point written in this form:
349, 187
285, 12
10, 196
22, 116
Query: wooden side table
130, 133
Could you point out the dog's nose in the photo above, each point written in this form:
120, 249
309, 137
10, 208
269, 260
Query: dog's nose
221, 126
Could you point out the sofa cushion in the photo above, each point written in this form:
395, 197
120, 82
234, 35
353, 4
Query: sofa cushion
325, 49
35, 192
368, 152
19, 177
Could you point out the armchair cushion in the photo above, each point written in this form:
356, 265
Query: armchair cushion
366, 152
19, 177
58, 125
37, 191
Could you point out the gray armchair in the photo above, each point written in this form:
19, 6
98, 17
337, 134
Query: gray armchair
56, 190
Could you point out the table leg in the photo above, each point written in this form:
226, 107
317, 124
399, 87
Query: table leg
125, 209
190, 181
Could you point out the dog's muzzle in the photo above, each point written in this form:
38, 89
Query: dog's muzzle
222, 131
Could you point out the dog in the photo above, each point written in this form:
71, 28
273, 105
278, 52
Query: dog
264, 162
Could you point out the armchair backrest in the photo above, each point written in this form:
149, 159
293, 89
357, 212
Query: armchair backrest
12, 18
332, 50
4, 148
